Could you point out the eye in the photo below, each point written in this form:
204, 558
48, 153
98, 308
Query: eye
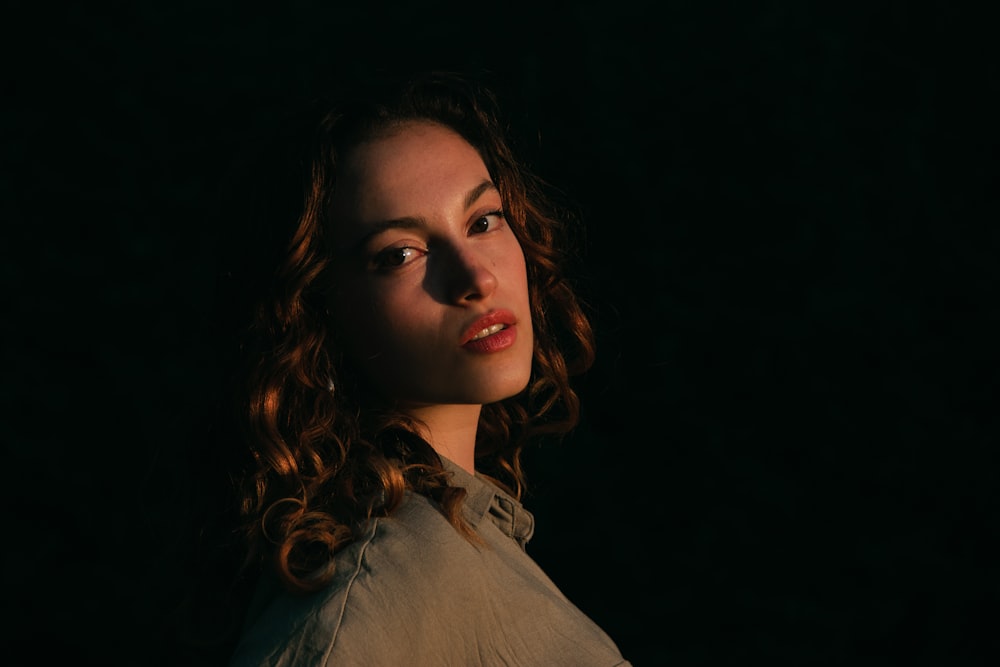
486, 222
392, 258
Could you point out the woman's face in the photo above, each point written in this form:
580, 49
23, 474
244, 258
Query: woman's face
430, 294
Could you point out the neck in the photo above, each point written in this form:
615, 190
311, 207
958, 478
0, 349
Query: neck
451, 431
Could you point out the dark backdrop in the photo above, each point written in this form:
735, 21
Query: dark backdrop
788, 451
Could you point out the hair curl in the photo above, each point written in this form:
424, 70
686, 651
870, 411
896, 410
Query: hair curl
322, 462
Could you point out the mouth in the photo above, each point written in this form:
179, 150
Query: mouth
489, 331
488, 325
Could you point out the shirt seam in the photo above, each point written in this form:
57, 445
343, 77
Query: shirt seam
358, 566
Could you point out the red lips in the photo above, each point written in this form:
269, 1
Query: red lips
504, 317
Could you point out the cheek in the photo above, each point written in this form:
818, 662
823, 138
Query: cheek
517, 271
369, 324
507, 259
356, 320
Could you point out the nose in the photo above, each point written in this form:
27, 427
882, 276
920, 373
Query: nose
464, 276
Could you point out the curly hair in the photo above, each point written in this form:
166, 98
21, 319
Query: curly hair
324, 456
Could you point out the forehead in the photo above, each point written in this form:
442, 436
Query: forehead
418, 164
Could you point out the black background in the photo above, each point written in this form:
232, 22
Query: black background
789, 446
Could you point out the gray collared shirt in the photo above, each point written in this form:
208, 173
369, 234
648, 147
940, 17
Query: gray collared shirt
411, 591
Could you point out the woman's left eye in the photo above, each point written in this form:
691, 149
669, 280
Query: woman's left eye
486, 222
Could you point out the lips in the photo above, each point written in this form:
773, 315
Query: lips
490, 325
500, 340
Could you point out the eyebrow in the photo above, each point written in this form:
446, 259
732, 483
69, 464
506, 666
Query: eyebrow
416, 222
475, 193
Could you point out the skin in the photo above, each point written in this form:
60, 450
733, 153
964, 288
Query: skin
422, 252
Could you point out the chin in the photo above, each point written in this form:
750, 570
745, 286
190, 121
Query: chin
505, 390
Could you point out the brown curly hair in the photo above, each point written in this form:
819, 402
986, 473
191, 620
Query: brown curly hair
325, 457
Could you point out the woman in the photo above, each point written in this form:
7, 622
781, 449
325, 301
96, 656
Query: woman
417, 336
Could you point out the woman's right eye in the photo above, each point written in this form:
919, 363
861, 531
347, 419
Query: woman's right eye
391, 258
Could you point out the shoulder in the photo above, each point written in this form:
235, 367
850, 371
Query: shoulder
414, 591
412, 561
398, 571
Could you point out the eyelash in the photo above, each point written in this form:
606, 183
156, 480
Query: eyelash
381, 261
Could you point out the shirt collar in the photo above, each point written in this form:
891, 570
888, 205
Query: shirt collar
486, 499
